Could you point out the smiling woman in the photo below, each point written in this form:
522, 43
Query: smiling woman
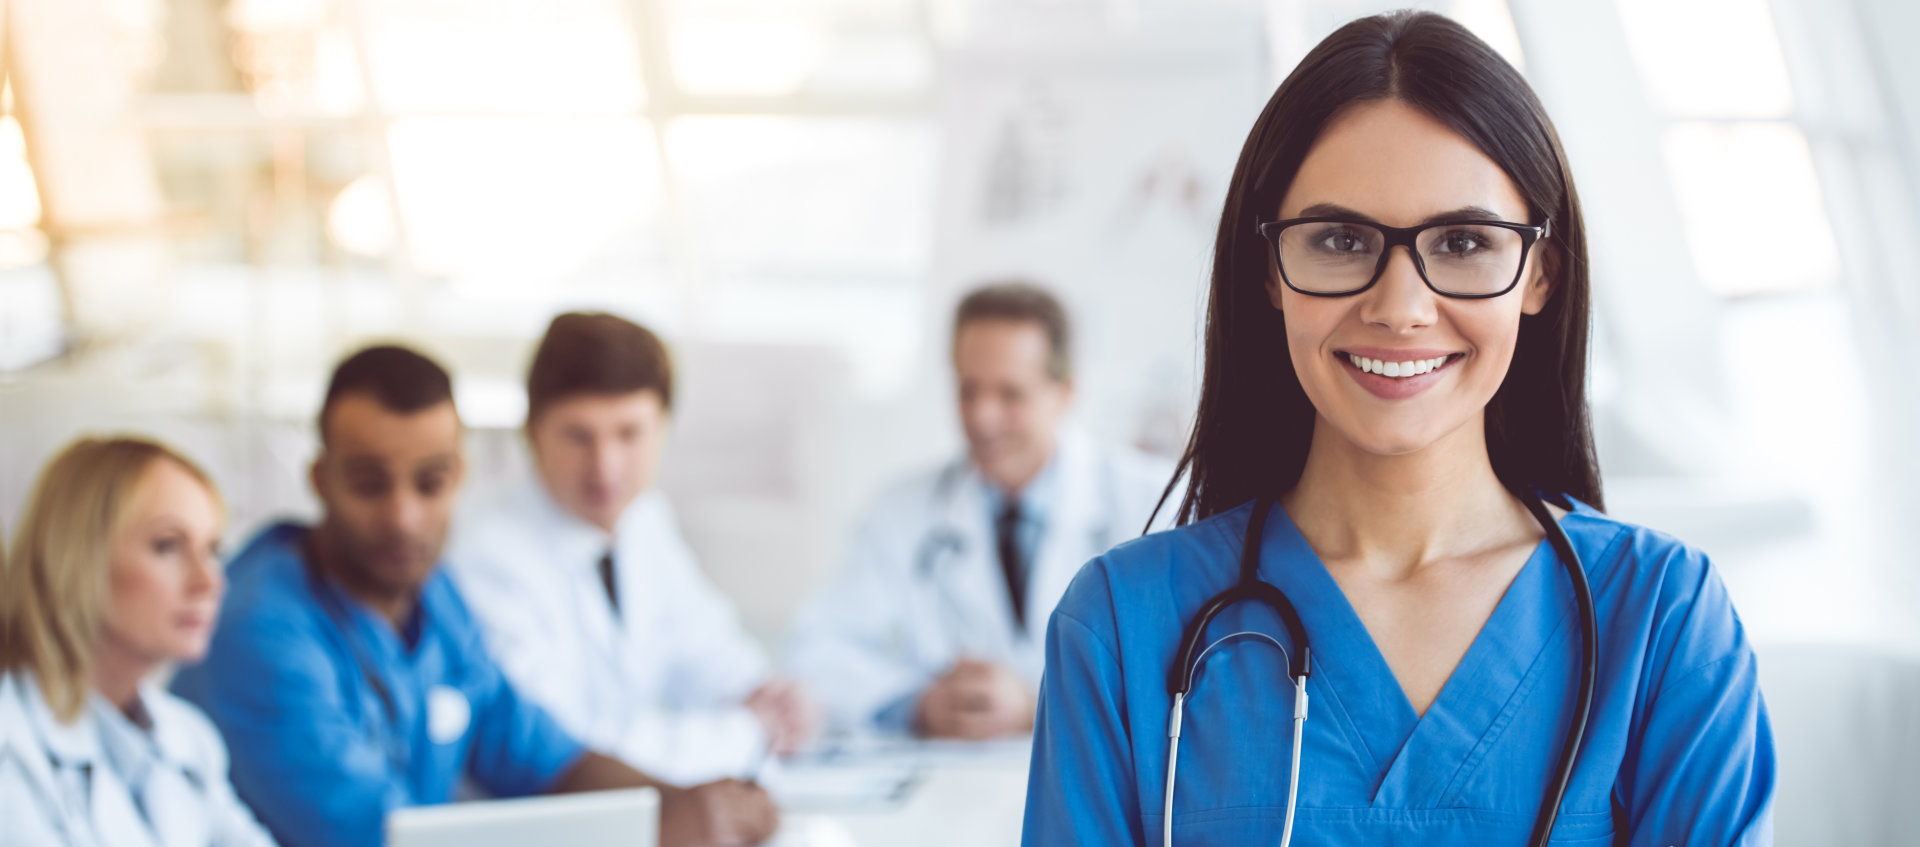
1393, 393
1393, 160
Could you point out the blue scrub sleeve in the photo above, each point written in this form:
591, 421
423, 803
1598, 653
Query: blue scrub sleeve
897, 715
518, 749
1702, 770
1080, 788
308, 771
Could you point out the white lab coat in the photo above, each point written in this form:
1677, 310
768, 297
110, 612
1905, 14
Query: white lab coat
58, 786
922, 584
659, 686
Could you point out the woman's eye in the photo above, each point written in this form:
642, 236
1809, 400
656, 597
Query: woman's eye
1461, 242
1342, 242
166, 547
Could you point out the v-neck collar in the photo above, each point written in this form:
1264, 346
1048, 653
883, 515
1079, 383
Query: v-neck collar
1415, 758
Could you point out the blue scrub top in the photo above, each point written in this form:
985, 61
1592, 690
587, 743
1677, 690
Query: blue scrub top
317, 752
1678, 749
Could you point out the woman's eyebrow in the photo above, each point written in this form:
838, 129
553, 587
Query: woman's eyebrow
165, 522
1464, 213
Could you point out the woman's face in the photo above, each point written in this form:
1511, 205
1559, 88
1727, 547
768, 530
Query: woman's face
1391, 163
166, 581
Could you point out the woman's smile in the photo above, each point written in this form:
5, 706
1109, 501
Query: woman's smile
1396, 374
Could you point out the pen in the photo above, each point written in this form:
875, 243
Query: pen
764, 766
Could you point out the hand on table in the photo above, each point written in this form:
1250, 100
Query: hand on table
724, 813
975, 701
790, 717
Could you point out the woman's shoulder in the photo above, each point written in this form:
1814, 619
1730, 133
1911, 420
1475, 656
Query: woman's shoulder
1146, 568
1194, 544
1615, 549
33, 810
15, 732
1664, 591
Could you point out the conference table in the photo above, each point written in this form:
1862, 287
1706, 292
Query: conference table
880, 792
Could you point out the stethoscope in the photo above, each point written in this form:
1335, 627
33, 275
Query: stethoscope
1186, 664
399, 757
944, 542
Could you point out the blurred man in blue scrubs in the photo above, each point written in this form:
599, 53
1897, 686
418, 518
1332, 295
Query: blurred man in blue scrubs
348, 676
588, 596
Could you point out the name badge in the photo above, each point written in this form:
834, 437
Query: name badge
448, 714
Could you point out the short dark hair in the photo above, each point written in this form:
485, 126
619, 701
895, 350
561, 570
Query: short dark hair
397, 378
597, 353
1028, 303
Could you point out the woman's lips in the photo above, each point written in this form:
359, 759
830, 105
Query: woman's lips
1370, 367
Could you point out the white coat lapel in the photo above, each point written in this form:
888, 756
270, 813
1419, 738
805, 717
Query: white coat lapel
92, 798
636, 655
39, 755
972, 601
576, 550
175, 791
174, 808
1079, 515
115, 819
100, 796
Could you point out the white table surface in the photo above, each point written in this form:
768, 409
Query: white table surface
964, 795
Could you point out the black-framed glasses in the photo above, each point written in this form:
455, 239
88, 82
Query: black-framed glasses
1337, 257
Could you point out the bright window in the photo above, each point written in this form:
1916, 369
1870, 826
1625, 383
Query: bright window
1737, 158
1752, 207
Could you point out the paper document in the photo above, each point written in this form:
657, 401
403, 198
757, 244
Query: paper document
842, 787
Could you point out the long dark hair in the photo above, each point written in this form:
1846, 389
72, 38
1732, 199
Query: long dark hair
1251, 434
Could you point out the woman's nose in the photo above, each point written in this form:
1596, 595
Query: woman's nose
1400, 300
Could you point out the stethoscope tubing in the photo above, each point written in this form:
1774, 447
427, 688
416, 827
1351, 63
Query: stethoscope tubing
1589, 667
1250, 587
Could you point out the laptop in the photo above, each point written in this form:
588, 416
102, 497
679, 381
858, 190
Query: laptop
628, 818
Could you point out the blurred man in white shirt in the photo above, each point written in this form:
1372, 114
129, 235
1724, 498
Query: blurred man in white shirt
590, 599
936, 623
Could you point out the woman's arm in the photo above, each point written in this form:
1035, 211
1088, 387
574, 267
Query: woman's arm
1701, 770
1080, 789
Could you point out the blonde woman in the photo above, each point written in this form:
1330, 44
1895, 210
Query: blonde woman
114, 572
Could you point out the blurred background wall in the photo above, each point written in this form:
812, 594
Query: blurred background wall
204, 203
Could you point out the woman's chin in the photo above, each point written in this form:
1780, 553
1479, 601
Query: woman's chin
189, 651
1387, 440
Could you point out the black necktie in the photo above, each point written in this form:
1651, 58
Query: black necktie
1007, 536
607, 581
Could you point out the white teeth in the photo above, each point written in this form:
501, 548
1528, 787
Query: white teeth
1397, 370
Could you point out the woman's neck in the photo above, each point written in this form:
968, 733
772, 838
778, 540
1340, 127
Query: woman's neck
117, 676
1397, 512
